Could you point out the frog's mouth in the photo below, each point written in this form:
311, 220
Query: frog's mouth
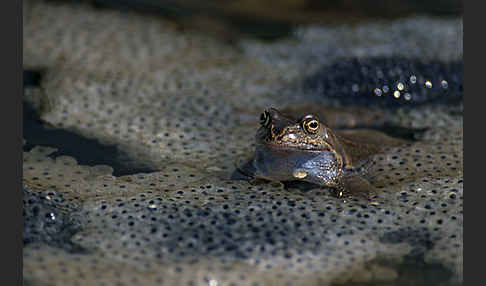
291, 147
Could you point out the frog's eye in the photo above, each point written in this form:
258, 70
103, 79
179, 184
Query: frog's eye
265, 119
311, 125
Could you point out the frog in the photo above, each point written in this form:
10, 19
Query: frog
306, 149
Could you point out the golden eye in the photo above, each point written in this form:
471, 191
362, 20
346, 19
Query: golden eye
265, 118
311, 126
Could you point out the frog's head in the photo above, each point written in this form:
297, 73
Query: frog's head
307, 133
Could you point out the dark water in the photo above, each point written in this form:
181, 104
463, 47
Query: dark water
272, 22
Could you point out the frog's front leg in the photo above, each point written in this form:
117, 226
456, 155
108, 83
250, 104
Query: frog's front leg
339, 191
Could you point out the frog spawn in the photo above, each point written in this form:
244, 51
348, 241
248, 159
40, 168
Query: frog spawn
147, 102
47, 219
170, 87
388, 81
212, 225
168, 130
167, 204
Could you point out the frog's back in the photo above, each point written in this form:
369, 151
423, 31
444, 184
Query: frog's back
361, 145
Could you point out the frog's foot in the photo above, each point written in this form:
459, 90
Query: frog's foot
355, 186
338, 191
